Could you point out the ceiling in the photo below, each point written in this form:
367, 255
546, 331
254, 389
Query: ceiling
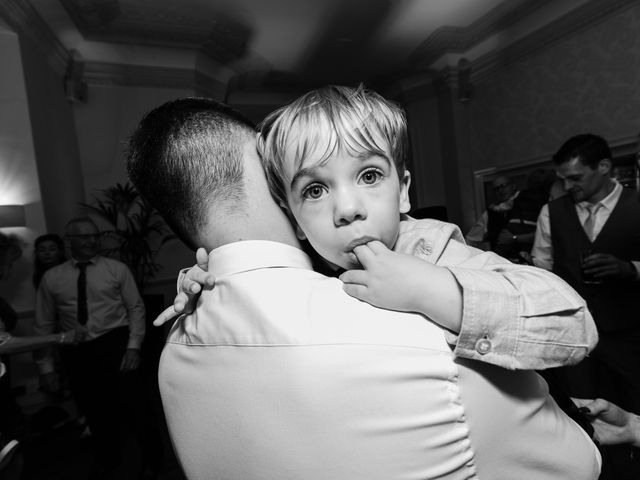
271, 44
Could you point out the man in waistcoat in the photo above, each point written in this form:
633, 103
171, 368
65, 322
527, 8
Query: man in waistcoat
591, 238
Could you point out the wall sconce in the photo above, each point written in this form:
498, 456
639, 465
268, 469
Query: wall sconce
12, 216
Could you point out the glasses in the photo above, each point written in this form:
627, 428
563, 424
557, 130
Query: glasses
501, 186
87, 236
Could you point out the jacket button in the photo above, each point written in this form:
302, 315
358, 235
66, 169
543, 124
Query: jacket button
483, 346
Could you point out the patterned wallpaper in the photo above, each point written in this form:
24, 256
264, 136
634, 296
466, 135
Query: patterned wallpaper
589, 81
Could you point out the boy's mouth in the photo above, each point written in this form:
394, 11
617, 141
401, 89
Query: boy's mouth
357, 242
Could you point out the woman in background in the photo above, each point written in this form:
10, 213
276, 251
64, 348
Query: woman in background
49, 252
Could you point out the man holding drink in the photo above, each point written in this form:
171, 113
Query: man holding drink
591, 238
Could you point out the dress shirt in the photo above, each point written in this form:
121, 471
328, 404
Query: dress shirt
542, 251
279, 374
113, 301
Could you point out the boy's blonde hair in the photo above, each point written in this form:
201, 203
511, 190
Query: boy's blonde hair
355, 120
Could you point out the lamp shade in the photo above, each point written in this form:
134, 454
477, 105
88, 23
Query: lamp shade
12, 216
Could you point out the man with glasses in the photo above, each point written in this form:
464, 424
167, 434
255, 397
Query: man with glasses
99, 296
484, 234
591, 238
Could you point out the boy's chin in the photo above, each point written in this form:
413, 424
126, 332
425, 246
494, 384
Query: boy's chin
335, 270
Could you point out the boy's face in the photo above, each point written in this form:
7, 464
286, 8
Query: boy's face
344, 202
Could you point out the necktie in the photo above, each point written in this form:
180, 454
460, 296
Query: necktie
83, 313
590, 222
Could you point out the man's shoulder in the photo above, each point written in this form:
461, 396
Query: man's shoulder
559, 204
57, 271
110, 262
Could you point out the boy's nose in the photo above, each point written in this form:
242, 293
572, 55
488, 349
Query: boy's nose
348, 208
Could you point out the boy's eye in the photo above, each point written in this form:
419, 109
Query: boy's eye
371, 176
313, 191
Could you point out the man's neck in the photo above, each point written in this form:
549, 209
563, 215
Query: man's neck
604, 192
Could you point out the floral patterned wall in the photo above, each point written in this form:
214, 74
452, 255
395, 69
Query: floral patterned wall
586, 82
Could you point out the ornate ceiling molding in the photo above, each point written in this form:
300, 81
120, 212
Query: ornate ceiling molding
580, 19
23, 18
460, 39
100, 73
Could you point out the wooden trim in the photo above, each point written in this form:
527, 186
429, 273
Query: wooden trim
21, 16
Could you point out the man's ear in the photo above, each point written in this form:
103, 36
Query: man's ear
405, 182
604, 166
299, 233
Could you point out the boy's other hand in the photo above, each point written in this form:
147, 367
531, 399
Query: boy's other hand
388, 278
190, 285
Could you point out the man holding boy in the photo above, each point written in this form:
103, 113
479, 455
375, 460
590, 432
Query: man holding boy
280, 374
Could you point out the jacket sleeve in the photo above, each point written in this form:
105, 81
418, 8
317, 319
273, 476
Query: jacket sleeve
516, 316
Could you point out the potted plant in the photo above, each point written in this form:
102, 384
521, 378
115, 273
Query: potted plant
136, 231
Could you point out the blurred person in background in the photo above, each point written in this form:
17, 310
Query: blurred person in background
484, 233
48, 252
10, 458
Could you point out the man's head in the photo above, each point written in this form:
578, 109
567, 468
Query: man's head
335, 160
48, 250
83, 237
503, 188
583, 163
195, 161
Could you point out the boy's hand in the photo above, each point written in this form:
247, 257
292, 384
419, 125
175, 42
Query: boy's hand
389, 279
191, 286
397, 281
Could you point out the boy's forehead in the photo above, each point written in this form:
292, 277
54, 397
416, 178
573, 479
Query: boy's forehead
315, 144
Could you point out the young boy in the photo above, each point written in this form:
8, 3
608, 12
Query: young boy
335, 160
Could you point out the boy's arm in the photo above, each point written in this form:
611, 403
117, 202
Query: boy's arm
516, 316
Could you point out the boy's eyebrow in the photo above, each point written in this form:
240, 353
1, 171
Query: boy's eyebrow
309, 171
303, 172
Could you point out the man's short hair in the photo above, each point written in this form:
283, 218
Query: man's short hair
76, 220
589, 148
185, 154
355, 120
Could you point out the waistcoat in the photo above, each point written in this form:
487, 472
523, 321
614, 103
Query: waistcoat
614, 304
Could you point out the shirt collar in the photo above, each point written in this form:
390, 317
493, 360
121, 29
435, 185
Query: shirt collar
608, 202
248, 255
76, 262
